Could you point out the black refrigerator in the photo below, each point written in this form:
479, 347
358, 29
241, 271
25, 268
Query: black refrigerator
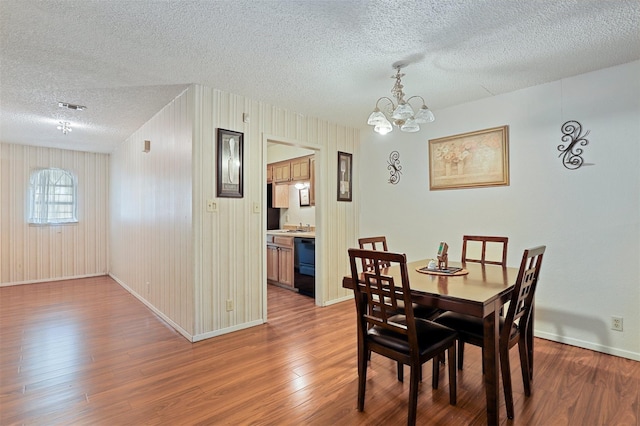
273, 214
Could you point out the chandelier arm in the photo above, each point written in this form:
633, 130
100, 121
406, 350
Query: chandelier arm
388, 99
417, 96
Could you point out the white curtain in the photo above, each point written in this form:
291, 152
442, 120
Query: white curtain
52, 197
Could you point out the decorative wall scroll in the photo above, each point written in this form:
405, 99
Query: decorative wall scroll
229, 165
570, 152
344, 176
469, 160
394, 167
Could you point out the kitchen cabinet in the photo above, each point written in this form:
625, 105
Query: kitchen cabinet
282, 171
269, 173
280, 260
312, 181
281, 195
300, 169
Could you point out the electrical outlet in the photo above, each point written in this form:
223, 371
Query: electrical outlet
229, 305
616, 323
256, 207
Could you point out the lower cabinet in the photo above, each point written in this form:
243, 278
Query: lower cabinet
280, 260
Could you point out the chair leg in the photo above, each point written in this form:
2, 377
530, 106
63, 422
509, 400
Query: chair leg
362, 376
460, 354
400, 372
413, 394
435, 376
505, 367
453, 383
524, 364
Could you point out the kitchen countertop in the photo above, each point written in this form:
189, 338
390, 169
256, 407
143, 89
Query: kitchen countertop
291, 233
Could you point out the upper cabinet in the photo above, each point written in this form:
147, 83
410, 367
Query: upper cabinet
269, 173
296, 169
282, 171
312, 181
300, 168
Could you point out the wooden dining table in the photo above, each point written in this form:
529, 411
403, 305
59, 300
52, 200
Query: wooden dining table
480, 293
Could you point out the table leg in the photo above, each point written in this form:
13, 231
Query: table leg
491, 361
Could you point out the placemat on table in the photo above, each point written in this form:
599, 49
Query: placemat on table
447, 272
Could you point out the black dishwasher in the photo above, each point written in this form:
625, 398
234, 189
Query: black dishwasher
305, 265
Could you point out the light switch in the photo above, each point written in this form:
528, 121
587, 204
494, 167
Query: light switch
212, 206
256, 207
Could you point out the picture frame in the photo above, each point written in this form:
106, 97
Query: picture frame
470, 160
345, 181
229, 153
304, 197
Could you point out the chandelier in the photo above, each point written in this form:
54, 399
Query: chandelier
399, 112
64, 127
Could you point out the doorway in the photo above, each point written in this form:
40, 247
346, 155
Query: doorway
299, 213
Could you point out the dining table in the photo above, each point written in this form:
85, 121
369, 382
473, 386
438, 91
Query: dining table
480, 293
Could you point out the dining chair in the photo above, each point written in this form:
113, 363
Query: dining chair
380, 243
492, 250
514, 327
483, 249
372, 243
402, 337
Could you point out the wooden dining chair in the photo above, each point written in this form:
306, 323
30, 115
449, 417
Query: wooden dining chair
513, 327
380, 243
372, 243
492, 250
401, 337
483, 249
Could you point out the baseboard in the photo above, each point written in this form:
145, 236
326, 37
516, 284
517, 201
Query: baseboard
339, 300
47, 280
588, 345
155, 310
210, 334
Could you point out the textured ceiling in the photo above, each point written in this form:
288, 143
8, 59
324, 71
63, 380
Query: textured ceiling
126, 59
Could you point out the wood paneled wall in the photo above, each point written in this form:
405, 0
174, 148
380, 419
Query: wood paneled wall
229, 245
44, 253
185, 262
151, 214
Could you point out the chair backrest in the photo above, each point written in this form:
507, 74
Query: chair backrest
524, 290
491, 250
372, 243
377, 293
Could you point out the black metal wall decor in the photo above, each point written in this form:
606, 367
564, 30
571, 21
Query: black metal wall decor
573, 138
394, 167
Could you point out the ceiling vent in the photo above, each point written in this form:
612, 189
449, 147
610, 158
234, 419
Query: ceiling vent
72, 106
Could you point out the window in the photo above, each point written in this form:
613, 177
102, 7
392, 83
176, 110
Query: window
52, 197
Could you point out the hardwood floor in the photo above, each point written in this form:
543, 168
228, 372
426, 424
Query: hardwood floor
87, 352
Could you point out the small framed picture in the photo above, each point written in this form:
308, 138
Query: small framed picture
229, 165
344, 176
304, 197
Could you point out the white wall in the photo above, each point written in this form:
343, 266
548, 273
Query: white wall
588, 218
46, 253
296, 214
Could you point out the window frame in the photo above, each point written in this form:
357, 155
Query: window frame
59, 188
